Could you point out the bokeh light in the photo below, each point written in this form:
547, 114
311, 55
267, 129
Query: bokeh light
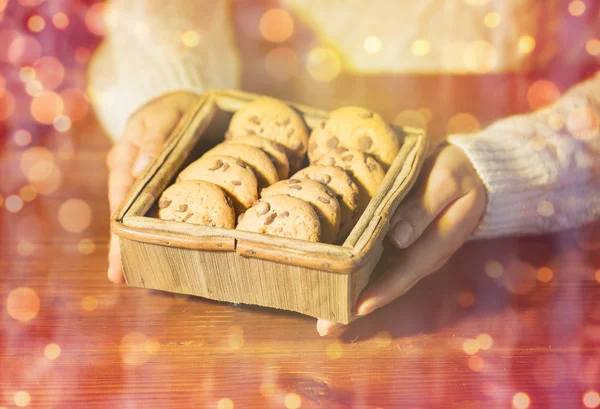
476, 363
453, 56
60, 20
7, 36
470, 346
382, 339
75, 104
420, 47
89, 303
36, 23
28, 193
52, 351
267, 389
545, 208
82, 54
49, 71
136, 349
100, 19
31, 3
27, 74
597, 276
591, 399
583, 123
13, 203
45, 179
235, 338
466, 299
34, 158
62, 123
24, 50
519, 277
323, 64
462, 123
22, 399
282, 63
7, 105
521, 400
2, 85
493, 269
292, 401
492, 19
484, 341
372, 44
45, 107
480, 57
526, 44
593, 46
556, 121
476, 2
23, 304
225, 403
25, 248
334, 350
34, 88
542, 93
276, 25
75, 215
545, 274
86, 246
576, 8
190, 38
411, 118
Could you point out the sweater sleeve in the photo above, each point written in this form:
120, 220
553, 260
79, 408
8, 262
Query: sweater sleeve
154, 47
541, 170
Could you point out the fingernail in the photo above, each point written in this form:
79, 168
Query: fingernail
140, 164
401, 233
366, 307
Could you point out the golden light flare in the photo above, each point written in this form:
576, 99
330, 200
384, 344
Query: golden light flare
13, 203
412, 118
542, 93
52, 351
190, 38
22, 399
50, 72
23, 304
323, 64
45, 107
75, 215
225, 403
100, 19
292, 401
484, 341
480, 57
25, 248
282, 63
276, 25
493, 269
136, 349
89, 303
591, 399
372, 44
521, 400
36, 23
420, 47
593, 46
86, 246
576, 8
334, 350
60, 20
27, 74
470, 346
526, 44
475, 363
492, 19
7, 105
545, 208
466, 299
28, 193
583, 123
462, 123
24, 50
545, 274
235, 338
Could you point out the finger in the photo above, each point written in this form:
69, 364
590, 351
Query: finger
115, 269
412, 217
120, 179
439, 241
325, 327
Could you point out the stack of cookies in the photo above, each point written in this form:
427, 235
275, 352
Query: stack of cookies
243, 182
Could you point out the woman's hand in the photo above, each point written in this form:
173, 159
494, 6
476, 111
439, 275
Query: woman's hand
144, 134
428, 228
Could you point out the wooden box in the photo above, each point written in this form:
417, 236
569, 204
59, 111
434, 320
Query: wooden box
317, 279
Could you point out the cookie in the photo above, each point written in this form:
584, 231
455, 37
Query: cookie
365, 171
197, 202
259, 162
272, 119
282, 215
355, 128
320, 197
274, 150
230, 174
340, 183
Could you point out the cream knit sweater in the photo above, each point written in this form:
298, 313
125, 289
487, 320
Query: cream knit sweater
541, 170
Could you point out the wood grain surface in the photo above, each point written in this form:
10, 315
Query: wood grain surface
134, 348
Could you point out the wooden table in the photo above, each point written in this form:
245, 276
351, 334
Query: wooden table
503, 319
